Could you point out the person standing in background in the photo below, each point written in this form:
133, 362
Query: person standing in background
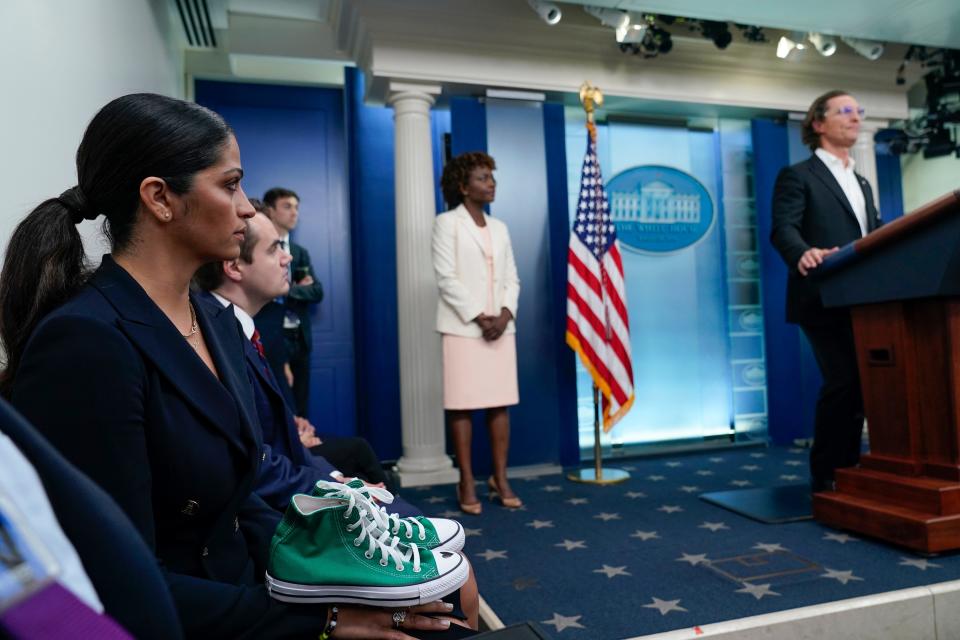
291, 317
479, 289
820, 205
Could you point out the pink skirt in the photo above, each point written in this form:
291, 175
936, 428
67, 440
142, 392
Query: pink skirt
478, 374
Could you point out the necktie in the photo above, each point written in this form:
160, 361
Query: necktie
255, 339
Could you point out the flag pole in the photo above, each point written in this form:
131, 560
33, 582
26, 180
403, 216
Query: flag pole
592, 97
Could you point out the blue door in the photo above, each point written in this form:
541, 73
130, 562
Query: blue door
294, 137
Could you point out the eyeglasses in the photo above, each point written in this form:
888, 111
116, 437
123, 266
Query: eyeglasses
849, 111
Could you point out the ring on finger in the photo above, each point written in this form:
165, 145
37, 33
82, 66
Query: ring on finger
399, 617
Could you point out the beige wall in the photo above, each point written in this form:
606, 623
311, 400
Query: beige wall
60, 61
924, 180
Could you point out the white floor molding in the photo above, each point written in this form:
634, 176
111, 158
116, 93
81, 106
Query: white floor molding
919, 613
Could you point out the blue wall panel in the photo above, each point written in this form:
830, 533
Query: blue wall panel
293, 137
889, 186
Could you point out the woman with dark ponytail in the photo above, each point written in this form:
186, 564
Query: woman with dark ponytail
141, 386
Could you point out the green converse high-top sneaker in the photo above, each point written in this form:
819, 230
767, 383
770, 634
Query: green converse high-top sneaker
436, 534
332, 549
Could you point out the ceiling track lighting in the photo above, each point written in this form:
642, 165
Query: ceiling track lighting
609, 17
869, 49
548, 11
788, 43
824, 44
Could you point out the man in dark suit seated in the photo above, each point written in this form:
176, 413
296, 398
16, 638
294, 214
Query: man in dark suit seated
256, 277
819, 205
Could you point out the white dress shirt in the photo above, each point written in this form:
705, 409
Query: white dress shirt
246, 322
847, 180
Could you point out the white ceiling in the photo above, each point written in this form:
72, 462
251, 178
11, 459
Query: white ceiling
928, 22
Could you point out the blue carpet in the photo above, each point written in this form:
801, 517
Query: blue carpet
648, 556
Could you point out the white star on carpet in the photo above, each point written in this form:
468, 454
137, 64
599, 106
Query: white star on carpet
562, 622
693, 559
674, 464
704, 472
552, 487
843, 577
449, 514
606, 517
741, 483
794, 463
842, 538
769, 547
664, 606
919, 563
532, 479
655, 478
795, 450
789, 477
635, 494
570, 545
540, 524
713, 526
670, 508
758, 455
471, 532
757, 590
715, 459
576, 501
628, 467
644, 535
435, 499
749, 467
490, 554
689, 488
612, 572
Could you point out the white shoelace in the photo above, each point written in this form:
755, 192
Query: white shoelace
377, 537
388, 521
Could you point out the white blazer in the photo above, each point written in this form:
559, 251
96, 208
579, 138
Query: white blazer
461, 268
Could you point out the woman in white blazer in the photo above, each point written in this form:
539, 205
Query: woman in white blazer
478, 283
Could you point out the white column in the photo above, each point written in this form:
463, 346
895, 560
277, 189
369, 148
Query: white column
424, 459
864, 155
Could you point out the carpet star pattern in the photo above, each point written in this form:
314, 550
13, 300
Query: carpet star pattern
570, 545
704, 472
758, 591
769, 547
741, 483
694, 559
674, 463
793, 463
564, 622
540, 524
607, 517
749, 467
576, 501
789, 477
467, 532
449, 513
612, 572
490, 554
842, 538
670, 508
656, 478
758, 455
435, 499
715, 459
713, 526
920, 563
843, 577
689, 488
552, 488
644, 535
635, 494
664, 606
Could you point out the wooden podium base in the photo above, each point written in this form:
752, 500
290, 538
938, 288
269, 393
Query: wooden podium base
920, 512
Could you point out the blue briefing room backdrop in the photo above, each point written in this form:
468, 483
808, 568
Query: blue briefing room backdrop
294, 137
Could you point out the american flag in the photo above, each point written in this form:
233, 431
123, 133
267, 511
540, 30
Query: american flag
597, 325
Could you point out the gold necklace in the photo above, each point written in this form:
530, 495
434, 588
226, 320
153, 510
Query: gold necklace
193, 328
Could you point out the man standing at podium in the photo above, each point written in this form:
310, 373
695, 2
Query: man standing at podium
819, 205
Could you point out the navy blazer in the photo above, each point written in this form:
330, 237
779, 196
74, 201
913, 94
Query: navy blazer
123, 571
811, 210
109, 380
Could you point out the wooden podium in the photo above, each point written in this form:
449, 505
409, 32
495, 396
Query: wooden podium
902, 284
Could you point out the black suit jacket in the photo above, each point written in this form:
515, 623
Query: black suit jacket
301, 297
811, 210
121, 568
109, 380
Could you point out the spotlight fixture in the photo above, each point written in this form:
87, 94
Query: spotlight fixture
788, 43
719, 32
752, 33
824, 44
633, 32
869, 49
610, 17
656, 40
548, 11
